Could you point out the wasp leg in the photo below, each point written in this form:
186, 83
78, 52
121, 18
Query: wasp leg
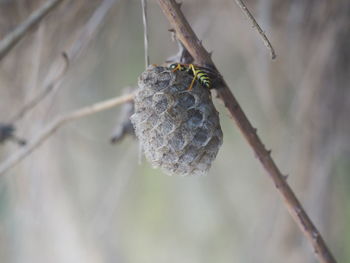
191, 66
191, 86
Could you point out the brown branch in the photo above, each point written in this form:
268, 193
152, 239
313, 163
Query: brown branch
18, 33
255, 24
186, 35
52, 127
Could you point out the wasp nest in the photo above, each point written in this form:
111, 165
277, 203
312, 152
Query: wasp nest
179, 130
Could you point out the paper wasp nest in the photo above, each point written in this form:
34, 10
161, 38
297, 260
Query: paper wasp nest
178, 129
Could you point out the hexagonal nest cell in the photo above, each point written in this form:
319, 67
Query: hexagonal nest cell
179, 129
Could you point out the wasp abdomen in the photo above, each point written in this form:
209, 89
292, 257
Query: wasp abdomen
203, 78
196, 71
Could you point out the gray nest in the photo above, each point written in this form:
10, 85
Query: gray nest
179, 130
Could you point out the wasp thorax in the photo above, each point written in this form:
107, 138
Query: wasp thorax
179, 129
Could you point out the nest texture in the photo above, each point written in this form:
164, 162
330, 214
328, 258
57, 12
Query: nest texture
179, 130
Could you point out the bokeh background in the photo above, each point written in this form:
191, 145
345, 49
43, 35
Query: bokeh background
78, 198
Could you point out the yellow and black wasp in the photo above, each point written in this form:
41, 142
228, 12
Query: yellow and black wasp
199, 73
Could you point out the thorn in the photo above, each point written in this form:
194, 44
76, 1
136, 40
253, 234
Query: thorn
172, 34
211, 53
285, 177
269, 152
179, 4
297, 210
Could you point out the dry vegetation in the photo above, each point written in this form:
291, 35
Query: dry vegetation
79, 199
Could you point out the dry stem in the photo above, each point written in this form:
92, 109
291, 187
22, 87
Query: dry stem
145, 30
56, 124
41, 95
18, 33
186, 35
71, 54
255, 24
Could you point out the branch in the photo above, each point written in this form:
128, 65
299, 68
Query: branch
90, 29
255, 24
186, 35
52, 127
41, 95
18, 33
71, 54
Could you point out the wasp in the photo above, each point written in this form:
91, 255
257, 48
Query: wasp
200, 73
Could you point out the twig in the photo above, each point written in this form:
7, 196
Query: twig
90, 29
186, 35
255, 24
145, 30
56, 124
39, 97
18, 33
71, 54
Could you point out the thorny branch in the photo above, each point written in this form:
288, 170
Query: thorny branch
18, 33
184, 32
56, 124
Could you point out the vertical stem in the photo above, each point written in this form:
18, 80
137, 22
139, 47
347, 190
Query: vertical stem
145, 30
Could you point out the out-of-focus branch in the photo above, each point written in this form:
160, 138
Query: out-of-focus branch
90, 29
18, 33
186, 35
255, 24
52, 127
39, 97
71, 54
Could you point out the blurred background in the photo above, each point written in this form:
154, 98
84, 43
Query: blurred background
78, 198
